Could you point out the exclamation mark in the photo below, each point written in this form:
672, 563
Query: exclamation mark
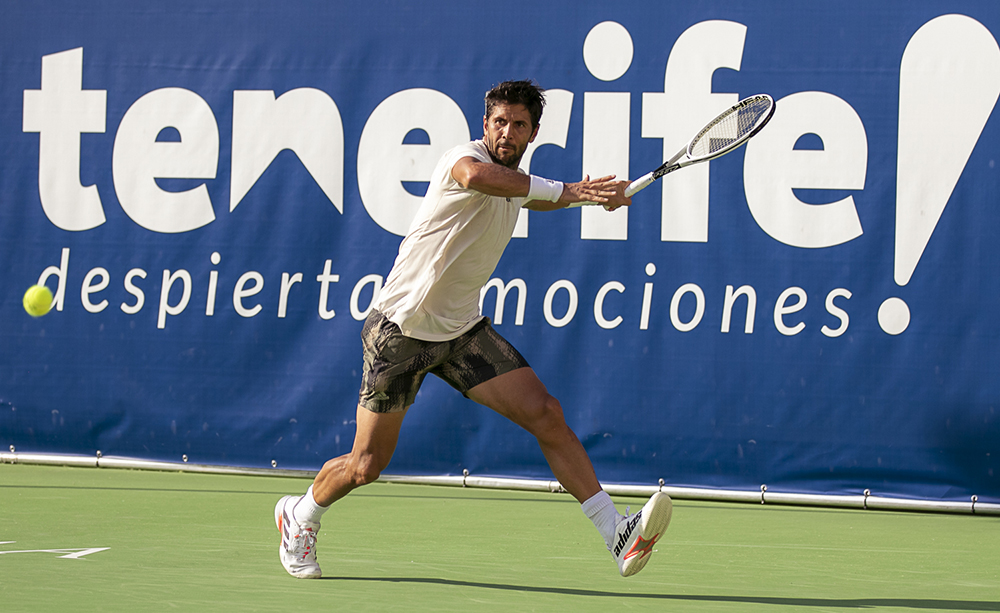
949, 81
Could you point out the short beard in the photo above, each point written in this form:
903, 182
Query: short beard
514, 162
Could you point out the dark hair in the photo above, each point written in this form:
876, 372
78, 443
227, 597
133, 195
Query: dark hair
527, 93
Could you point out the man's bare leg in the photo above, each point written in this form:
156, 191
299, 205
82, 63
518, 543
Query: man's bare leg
374, 444
298, 517
521, 397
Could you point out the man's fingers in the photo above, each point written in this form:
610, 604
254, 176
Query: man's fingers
605, 190
596, 196
599, 191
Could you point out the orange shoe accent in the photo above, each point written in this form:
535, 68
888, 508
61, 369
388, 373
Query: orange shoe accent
642, 547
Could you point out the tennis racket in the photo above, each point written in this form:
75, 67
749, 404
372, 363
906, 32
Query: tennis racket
723, 134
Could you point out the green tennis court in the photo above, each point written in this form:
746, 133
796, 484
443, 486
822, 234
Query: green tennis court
178, 541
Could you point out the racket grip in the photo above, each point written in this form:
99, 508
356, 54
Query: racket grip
639, 184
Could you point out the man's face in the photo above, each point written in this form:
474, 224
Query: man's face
507, 132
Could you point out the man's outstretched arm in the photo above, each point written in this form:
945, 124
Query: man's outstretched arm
497, 180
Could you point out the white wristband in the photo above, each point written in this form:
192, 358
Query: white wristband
544, 189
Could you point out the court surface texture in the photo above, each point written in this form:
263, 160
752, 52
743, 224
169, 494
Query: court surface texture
85, 539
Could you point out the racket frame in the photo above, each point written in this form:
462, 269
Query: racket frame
676, 163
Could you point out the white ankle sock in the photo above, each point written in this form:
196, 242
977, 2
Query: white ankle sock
601, 510
306, 509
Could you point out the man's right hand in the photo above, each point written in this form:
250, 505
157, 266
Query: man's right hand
604, 190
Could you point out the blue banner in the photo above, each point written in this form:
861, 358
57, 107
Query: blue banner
216, 192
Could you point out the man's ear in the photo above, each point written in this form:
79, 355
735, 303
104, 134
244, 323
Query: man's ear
534, 134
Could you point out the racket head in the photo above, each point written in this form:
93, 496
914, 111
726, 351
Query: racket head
731, 128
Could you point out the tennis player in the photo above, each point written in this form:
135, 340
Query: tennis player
427, 320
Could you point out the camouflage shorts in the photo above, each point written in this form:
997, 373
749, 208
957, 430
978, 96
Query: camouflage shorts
395, 365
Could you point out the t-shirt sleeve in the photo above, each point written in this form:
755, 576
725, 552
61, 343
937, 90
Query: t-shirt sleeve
469, 150
476, 150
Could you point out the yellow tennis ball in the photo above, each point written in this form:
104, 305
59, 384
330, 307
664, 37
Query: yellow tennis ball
37, 300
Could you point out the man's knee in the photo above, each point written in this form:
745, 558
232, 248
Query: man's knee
547, 417
369, 470
553, 409
365, 468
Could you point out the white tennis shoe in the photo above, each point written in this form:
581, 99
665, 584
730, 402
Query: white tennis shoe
635, 535
298, 541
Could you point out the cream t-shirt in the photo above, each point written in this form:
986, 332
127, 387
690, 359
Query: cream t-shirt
449, 253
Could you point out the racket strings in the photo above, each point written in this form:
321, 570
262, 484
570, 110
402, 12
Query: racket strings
731, 127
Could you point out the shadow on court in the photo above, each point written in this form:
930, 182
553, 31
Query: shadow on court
845, 603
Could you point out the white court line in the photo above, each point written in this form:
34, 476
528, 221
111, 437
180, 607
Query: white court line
69, 554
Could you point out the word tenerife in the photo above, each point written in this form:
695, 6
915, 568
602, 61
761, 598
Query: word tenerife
308, 122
